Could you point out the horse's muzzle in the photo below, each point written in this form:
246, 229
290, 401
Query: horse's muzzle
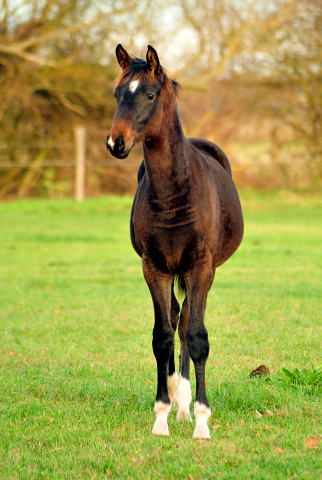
117, 148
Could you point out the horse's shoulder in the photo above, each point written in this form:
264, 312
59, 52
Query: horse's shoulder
213, 150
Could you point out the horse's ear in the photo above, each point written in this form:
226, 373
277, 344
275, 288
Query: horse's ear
152, 61
123, 57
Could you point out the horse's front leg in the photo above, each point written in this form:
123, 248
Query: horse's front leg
160, 285
198, 284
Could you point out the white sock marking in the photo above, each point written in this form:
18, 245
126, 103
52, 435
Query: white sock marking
182, 399
202, 414
172, 385
133, 86
162, 411
111, 143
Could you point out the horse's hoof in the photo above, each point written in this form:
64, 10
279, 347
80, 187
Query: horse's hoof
201, 431
159, 428
162, 411
202, 414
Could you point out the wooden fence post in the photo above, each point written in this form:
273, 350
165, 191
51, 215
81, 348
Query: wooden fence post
80, 151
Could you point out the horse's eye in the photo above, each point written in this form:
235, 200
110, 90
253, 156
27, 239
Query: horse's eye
151, 96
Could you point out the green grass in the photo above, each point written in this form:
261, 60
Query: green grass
77, 375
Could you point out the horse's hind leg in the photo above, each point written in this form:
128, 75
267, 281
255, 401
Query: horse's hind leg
183, 394
198, 285
160, 286
173, 377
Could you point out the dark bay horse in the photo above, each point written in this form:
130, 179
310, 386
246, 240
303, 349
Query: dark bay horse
186, 220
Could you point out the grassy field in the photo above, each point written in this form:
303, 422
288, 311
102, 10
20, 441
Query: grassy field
77, 376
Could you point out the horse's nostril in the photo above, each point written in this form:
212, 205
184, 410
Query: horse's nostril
120, 144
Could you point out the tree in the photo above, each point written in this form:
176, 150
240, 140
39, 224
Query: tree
55, 69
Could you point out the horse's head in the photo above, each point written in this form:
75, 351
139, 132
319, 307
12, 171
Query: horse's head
142, 90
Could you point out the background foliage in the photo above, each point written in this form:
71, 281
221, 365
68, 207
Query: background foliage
252, 71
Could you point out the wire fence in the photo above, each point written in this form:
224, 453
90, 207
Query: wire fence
82, 160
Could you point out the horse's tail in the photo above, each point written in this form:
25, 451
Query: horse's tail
181, 286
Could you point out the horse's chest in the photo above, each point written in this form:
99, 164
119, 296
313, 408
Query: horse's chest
169, 239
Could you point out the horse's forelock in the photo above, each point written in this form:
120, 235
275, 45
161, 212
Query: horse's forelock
139, 68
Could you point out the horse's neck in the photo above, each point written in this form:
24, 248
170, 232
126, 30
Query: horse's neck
165, 156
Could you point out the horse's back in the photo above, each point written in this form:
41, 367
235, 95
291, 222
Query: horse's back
212, 150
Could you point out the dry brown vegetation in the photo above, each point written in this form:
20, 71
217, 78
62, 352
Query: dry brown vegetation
252, 72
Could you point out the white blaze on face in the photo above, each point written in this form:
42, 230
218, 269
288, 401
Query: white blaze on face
133, 86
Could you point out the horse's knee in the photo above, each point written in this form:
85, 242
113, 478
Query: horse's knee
163, 344
198, 344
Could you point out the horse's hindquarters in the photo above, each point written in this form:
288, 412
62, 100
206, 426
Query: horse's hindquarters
230, 221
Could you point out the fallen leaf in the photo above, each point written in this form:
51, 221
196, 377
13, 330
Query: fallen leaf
278, 450
154, 452
259, 371
257, 434
241, 422
266, 427
51, 420
11, 354
57, 312
112, 451
207, 384
268, 412
258, 413
217, 426
312, 443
